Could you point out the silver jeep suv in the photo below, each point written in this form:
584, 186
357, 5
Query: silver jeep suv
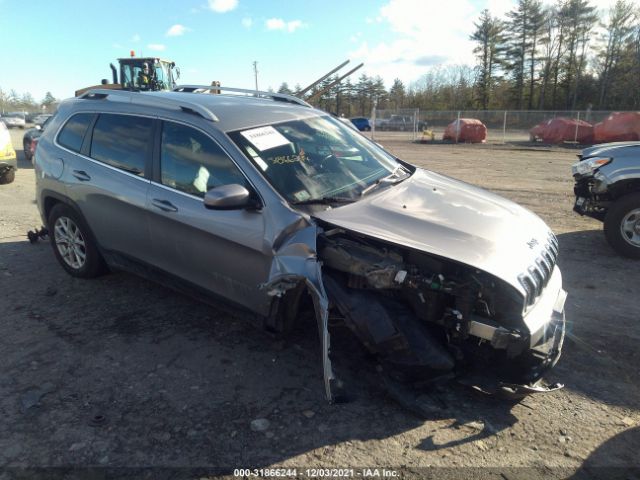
260, 200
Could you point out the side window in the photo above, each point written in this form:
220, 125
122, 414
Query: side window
192, 162
122, 141
74, 130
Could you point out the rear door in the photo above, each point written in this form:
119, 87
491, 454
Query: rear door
108, 179
221, 251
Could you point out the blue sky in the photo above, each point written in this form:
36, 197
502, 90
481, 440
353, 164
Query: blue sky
63, 45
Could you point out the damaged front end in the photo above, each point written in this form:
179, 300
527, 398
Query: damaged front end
424, 317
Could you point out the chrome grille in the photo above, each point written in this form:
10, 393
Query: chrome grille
535, 279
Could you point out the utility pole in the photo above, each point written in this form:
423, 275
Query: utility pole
255, 72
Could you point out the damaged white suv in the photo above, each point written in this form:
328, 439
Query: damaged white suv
258, 199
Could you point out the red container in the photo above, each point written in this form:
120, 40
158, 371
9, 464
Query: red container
618, 127
471, 130
561, 129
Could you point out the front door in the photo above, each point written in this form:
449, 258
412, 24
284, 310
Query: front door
221, 251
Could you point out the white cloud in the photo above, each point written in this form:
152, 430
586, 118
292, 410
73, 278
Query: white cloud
275, 24
177, 30
136, 38
222, 6
247, 22
157, 47
416, 42
280, 24
294, 25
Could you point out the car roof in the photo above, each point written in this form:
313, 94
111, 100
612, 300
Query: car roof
239, 111
231, 111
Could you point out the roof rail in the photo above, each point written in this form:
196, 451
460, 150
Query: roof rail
281, 97
139, 98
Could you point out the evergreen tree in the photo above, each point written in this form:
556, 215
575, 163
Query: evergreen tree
488, 37
536, 27
284, 88
397, 94
516, 48
581, 18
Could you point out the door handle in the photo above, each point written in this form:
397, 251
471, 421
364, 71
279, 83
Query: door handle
81, 175
164, 205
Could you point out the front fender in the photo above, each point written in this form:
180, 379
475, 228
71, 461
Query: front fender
296, 262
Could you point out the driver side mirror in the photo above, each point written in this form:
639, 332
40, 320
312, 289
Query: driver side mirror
229, 197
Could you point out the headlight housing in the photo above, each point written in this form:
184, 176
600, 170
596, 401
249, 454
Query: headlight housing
590, 165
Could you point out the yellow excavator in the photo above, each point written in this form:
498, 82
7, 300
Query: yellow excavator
140, 74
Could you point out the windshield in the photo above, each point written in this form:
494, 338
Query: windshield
134, 76
162, 75
315, 158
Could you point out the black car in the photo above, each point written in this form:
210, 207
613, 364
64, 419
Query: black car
30, 139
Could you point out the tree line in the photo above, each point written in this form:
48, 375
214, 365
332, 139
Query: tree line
15, 102
564, 56
558, 57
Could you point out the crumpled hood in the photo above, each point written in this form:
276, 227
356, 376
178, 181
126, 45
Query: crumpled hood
446, 217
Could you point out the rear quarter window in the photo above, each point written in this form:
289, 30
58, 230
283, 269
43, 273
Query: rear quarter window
73, 132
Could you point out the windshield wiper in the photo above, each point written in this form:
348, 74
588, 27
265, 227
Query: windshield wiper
323, 201
392, 177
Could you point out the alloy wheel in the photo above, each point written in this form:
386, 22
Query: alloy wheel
70, 242
630, 227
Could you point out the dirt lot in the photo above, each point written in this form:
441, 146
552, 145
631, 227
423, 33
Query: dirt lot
121, 372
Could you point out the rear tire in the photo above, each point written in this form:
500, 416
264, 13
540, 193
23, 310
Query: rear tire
73, 243
622, 226
27, 152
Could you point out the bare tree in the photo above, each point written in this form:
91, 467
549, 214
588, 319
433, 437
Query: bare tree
618, 31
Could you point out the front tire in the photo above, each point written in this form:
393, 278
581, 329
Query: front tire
622, 226
73, 244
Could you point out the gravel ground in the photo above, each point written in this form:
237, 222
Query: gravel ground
119, 373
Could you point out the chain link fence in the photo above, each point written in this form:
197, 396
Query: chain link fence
503, 126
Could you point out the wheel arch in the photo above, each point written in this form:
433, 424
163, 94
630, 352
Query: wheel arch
624, 187
51, 198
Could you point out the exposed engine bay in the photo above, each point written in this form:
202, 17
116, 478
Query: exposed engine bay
426, 317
